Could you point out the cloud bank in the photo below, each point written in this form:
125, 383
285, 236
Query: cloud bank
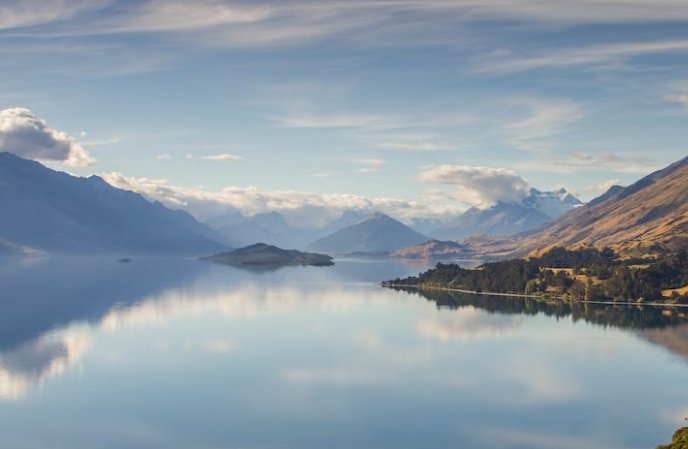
27, 136
300, 209
478, 186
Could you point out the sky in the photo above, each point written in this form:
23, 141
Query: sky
417, 108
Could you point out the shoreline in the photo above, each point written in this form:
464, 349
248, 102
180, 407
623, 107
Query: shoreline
515, 295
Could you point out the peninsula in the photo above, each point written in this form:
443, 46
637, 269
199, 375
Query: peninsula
263, 254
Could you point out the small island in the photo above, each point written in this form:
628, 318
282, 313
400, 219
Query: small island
263, 254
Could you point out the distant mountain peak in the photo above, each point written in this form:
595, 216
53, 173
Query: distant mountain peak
378, 216
374, 234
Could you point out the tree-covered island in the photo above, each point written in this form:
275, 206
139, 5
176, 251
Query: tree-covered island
587, 274
262, 254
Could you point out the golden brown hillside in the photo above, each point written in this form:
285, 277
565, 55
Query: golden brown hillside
649, 216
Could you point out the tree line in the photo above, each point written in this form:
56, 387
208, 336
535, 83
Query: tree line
585, 274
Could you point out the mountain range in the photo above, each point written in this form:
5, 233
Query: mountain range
50, 211
505, 219
647, 217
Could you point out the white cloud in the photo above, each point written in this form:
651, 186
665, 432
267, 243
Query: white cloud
478, 186
222, 157
301, 209
29, 137
602, 187
164, 157
332, 121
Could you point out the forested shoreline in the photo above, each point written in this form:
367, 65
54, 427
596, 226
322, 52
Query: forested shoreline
574, 275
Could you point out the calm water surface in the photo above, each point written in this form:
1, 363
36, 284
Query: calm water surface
182, 354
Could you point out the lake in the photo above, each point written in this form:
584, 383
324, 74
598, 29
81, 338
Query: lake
184, 354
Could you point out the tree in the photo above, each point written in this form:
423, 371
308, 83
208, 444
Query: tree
578, 291
590, 290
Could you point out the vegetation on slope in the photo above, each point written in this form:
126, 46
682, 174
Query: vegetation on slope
587, 274
680, 440
262, 254
648, 217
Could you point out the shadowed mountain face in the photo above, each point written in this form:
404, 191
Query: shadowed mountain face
650, 215
58, 213
501, 220
377, 233
237, 230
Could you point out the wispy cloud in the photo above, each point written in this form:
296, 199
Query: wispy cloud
333, 121
586, 161
163, 157
591, 55
322, 175
222, 157
417, 146
370, 161
542, 122
680, 99
366, 171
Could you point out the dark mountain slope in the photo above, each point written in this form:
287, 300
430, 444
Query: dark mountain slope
56, 212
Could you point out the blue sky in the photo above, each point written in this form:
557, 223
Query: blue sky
399, 105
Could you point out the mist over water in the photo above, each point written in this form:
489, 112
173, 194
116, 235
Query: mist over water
181, 354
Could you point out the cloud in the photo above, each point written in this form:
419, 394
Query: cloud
541, 121
332, 121
478, 186
680, 99
222, 157
15, 14
585, 161
300, 209
164, 157
366, 171
608, 54
602, 187
416, 146
171, 15
220, 22
27, 136
370, 161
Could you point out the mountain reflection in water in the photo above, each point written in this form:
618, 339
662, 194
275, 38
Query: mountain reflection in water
181, 354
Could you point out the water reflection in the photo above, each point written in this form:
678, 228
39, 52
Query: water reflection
188, 355
49, 307
621, 316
